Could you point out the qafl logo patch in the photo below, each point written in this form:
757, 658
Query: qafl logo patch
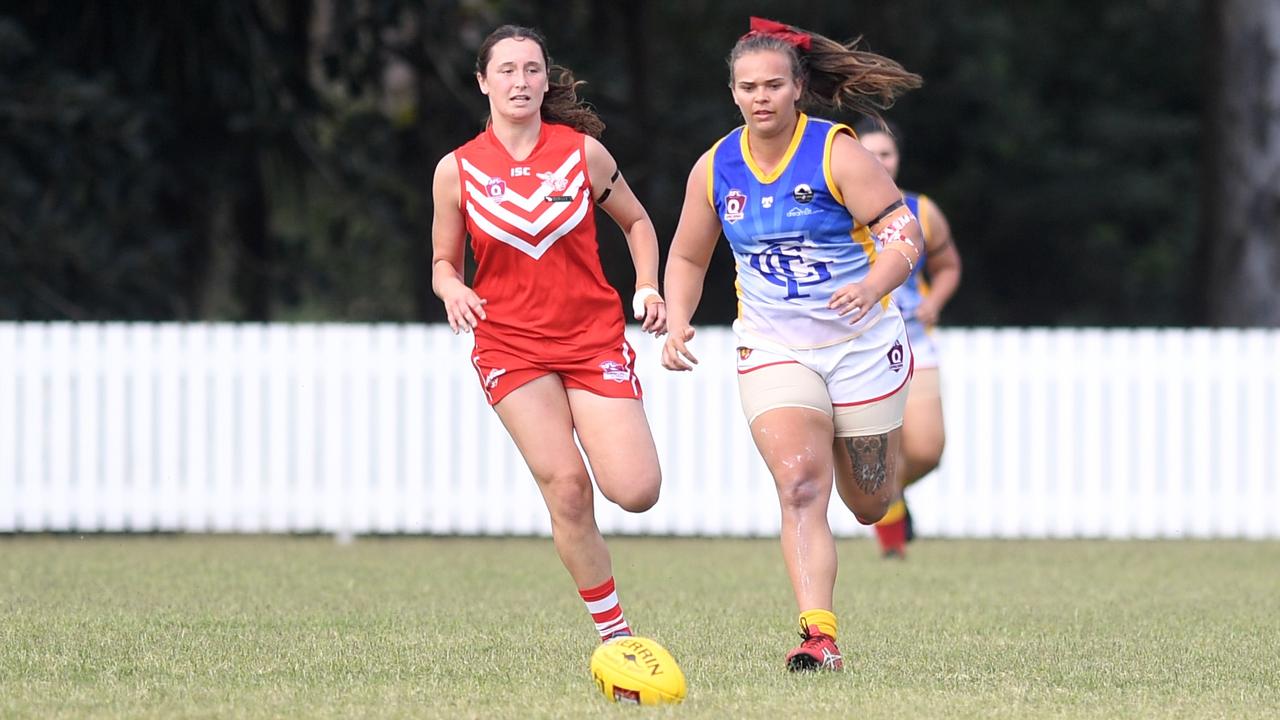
496, 189
896, 356
734, 203
803, 194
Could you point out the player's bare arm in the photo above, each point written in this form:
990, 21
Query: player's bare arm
464, 308
614, 195
873, 200
942, 263
687, 262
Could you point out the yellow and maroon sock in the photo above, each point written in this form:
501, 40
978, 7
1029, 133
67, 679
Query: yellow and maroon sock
892, 529
602, 603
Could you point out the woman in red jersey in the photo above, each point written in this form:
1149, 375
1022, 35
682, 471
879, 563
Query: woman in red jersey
550, 351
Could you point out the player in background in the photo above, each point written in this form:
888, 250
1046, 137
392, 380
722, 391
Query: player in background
821, 237
921, 299
550, 352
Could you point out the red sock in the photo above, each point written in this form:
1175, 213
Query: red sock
893, 536
602, 603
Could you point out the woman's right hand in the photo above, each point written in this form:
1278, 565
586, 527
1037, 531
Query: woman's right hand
465, 309
675, 355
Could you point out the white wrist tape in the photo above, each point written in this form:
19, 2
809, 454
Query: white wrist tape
637, 300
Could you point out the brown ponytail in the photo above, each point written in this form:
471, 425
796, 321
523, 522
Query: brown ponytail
834, 75
561, 104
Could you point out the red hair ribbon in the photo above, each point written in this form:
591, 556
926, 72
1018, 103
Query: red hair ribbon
761, 26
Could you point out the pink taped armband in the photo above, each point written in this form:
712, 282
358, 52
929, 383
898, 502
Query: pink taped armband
888, 229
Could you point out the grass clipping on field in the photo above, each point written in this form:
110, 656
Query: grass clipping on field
492, 628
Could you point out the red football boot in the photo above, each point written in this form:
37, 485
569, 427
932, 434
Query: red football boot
817, 652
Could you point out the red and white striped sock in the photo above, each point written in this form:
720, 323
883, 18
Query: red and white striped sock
602, 603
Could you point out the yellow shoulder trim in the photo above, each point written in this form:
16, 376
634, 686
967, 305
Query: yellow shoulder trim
922, 203
761, 175
835, 130
711, 174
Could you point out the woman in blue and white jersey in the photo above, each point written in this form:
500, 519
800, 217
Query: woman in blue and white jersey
821, 237
921, 299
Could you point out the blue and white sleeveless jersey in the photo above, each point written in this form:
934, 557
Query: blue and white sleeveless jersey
794, 241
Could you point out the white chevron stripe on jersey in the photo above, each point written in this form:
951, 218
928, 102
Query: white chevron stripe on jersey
525, 203
532, 227
533, 251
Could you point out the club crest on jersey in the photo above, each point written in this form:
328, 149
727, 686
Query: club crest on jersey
785, 263
615, 371
553, 181
896, 355
496, 189
734, 203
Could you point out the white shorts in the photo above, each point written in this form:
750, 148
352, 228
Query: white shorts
861, 384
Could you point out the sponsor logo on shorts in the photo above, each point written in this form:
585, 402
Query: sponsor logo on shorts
744, 353
491, 380
615, 371
896, 356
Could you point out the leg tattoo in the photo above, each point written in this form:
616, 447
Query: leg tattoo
868, 455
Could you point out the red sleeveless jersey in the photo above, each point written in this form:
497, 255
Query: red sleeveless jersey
533, 234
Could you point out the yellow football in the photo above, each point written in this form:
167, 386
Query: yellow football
637, 670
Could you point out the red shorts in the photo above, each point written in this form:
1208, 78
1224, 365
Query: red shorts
610, 374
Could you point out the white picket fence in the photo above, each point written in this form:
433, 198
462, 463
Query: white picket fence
383, 429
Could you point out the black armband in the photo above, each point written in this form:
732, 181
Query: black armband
885, 212
605, 195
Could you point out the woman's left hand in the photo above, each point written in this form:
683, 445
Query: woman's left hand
927, 313
852, 301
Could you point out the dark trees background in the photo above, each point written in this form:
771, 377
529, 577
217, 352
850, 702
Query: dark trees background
1240, 252
271, 159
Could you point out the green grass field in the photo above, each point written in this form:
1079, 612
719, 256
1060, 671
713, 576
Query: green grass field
173, 627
